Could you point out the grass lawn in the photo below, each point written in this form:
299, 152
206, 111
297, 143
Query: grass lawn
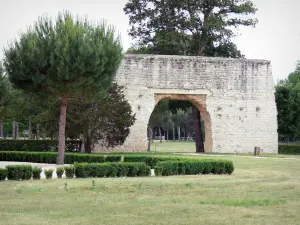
189, 147
260, 191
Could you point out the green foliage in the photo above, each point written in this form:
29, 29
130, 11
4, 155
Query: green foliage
36, 173
49, 157
193, 167
70, 171
60, 172
188, 27
115, 158
106, 119
83, 170
19, 172
64, 57
48, 173
3, 173
148, 160
289, 149
67, 58
38, 145
288, 106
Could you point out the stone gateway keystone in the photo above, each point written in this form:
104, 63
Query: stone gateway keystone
234, 96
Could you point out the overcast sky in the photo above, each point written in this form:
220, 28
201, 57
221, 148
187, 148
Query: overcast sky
275, 38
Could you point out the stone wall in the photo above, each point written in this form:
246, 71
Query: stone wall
236, 98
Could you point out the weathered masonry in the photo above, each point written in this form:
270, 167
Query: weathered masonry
235, 97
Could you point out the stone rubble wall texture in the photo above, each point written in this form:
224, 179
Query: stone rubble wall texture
236, 98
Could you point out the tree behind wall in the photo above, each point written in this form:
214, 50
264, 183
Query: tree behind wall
66, 58
188, 27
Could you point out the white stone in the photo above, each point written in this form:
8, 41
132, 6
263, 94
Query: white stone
238, 93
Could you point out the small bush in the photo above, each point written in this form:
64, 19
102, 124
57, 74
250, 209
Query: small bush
36, 173
289, 149
3, 173
193, 167
19, 172
48, 173
70, 171
59, 172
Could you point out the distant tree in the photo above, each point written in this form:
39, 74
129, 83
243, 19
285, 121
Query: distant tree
288, 106
67, 58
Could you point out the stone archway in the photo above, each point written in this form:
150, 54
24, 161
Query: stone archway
200, 102
228, 93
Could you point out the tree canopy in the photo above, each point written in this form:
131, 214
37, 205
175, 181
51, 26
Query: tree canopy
66, 58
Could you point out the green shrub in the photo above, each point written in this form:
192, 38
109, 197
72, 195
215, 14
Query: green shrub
49, 157
48, 173
19, 172
113, 158
3, 173
229, 168
289, 149
120, 169
193, 167
60, 172
149, 160
70, 171
38, 145
36, 173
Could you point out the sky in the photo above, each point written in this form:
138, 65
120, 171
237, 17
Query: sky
276, 37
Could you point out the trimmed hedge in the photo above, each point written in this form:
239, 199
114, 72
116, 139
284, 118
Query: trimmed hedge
289, 149
70, 171
121, 169
192, 167
59, 171
149, 160
3, 173
36, 173
48, 173
19, 172
50, 157
38, 145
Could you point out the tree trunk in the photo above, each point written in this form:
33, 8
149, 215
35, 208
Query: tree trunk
167, 135
1, 128
61, 132
30, 128
87, 144
178, 131
160, 137
198, 130
173, 128
17, 130
13, 134
184, 134
37, 132
150, 133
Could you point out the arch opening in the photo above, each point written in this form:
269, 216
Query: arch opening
187, 132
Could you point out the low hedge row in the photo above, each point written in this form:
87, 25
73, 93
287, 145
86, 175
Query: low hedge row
121, 169
38, 145
149, 160
193, 167
50, 157
26, 172
289, 149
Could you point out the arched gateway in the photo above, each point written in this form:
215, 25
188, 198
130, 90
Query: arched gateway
235, 98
